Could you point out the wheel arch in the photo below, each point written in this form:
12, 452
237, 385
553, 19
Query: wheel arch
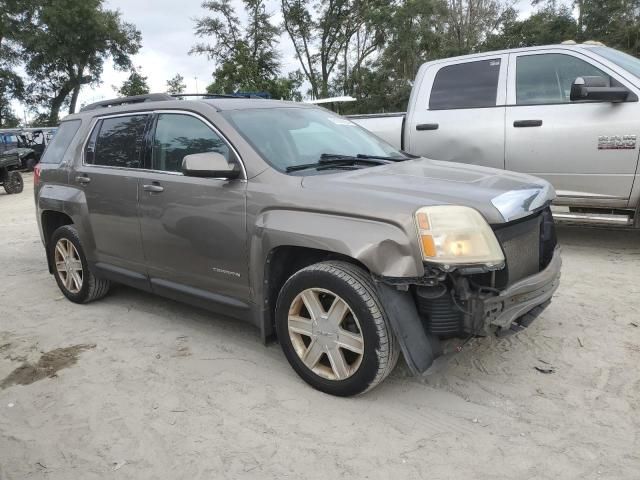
51, 220
280, 264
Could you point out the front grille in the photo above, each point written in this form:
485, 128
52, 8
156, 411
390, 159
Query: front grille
521, 246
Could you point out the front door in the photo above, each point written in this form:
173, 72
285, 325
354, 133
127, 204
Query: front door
108, 177
193, 229
587, 150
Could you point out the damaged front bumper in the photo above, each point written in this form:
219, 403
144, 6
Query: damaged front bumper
413, 307
515, 307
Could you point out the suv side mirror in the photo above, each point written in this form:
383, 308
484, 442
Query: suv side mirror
597, 88
209, 164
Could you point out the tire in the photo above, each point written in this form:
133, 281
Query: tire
91, 288
331, 288
13, 183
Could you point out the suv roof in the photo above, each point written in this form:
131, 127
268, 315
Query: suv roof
155, 101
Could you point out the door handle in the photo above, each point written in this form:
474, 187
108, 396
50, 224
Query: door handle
83, 179
527, 123
155, 187
427, 126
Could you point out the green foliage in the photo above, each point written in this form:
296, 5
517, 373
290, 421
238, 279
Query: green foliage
550, 25
246, 57
64, 44
176, 84
135, 84
8, 118
11, 84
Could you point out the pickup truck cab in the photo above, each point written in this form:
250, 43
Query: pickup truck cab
298, 221
565, 113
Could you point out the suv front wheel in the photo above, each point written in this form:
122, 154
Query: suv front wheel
332, 329
70, 267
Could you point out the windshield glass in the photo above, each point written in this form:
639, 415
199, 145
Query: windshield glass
286, 137
626, 61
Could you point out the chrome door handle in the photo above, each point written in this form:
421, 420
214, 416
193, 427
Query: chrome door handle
83, 179
153, 188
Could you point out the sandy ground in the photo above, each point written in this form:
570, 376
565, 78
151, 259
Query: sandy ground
135, 386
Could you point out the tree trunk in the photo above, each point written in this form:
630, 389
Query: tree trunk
74, 99
56, 103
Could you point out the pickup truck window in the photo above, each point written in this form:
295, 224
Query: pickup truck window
623, 60
287, 137
178, 135
466, 85
547, 78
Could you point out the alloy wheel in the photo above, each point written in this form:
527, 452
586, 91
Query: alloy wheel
69, 265
325, 334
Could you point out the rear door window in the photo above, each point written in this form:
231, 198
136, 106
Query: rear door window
117, 142
466, 85
60, 143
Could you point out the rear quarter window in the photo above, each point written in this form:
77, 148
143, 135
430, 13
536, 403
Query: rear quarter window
60, 143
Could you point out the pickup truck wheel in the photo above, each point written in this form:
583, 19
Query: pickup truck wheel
13, 183
71, 270
332, 329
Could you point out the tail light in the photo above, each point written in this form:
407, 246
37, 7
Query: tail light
36, 175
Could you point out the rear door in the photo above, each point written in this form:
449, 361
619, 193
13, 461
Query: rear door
458, 112
571, 144
193, 229
109, 176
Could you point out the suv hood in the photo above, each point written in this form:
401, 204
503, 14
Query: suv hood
499, 195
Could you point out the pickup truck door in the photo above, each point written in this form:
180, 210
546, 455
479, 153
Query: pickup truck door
193, 229
457, 111
570, 143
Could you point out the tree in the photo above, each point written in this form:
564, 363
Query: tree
245, 56
550, 25
470, 22
135, 84
12, 14
320, 36
613, 22
8, 119
65, 44
176, 84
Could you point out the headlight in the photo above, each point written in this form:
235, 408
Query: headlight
453, 235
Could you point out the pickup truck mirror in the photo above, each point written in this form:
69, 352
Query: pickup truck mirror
597, 88
209, 164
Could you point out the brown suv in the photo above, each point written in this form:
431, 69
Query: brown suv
298, 221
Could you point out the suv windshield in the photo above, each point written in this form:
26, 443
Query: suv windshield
288, 137
623, 60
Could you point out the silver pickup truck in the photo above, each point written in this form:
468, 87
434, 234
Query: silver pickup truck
566, 113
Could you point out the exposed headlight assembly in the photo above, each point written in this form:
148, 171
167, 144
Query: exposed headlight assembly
452, 235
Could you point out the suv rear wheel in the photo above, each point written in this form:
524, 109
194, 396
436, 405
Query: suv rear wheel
332, 329
70, 267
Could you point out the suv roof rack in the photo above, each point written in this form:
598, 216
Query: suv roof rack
114, 102
224, 95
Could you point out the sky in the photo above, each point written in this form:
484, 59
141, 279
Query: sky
167, 35
167, 28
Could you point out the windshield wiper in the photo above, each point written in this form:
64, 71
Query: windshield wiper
330, 160
379, 157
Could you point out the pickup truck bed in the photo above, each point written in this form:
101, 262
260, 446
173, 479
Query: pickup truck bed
387, 126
